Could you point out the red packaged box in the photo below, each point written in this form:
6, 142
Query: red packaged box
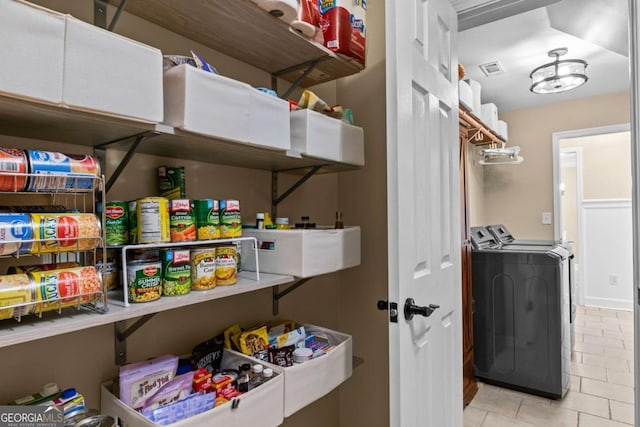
343, 27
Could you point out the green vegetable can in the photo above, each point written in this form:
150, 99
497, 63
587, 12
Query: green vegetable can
176, 272
133, 222
230, 219
116, 223
207, 219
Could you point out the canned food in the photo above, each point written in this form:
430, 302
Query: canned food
145, 255
226, 265
111, 276
230, 219
144, 281
41, 267
16, 233
97, 421
70, 171
203, 269
133, 222
16, 289
207, 219
57, 232
37, 208
171, 182
181, 221
116, 223
152, 217
12, 162
176, 272
80, 415
66, 287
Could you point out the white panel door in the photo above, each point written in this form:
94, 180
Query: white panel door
424, 213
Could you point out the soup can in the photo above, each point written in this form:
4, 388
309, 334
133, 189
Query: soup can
226, 265
116, 223
203, 269
152, 218
14, 269
16, 290
109, 271
176, 272
132, 214
182, 223
144, 281
207, 219
52, 171
16, 233
13, 169
63, 232
67, 287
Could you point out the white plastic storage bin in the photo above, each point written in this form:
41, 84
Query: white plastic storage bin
110, 74
217, 106
503, 130
476, 90
261, 407
309, 381
489, 116
303, 253
465, 94
316, 135
32, 49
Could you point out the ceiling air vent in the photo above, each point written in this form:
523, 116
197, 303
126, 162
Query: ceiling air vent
492, 68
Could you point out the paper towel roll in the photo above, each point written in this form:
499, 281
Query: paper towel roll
304, 27
286, 10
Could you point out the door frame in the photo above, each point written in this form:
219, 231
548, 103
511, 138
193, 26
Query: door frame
556, 137
634, 59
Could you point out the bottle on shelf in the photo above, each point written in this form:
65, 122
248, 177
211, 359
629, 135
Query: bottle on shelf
339, 224
244, 377
256, 377
260, 220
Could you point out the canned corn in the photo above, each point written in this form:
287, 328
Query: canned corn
207, 219
203, 268
226, 265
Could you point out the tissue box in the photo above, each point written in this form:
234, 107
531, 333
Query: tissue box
465, 94
32, 48
489, 116
316, 135
303, 253
503, 129
476, 90
110, 74
224, 108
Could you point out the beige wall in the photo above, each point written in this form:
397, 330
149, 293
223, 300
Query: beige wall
516, 195
84, 359
606, 165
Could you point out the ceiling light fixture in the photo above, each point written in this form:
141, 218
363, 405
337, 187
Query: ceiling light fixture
559, 75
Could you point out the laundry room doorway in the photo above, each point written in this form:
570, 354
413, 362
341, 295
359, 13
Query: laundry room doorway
592, 203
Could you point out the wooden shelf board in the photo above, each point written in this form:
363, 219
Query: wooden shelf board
242, 30
475, 131
32, 328
57, 123
172, 142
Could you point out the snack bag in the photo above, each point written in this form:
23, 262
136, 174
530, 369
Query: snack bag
254, 341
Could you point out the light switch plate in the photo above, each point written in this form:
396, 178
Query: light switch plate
546, 218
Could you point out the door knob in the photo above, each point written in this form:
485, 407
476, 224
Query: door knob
411, 309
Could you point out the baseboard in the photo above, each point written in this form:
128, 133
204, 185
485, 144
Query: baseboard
612, 303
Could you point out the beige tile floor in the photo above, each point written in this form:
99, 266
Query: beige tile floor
601, 391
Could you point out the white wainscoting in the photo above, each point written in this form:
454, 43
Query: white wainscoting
607, 254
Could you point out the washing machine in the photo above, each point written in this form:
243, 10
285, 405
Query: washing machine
504, 236
521, 315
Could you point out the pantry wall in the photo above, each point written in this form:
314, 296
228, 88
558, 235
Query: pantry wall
343, 301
